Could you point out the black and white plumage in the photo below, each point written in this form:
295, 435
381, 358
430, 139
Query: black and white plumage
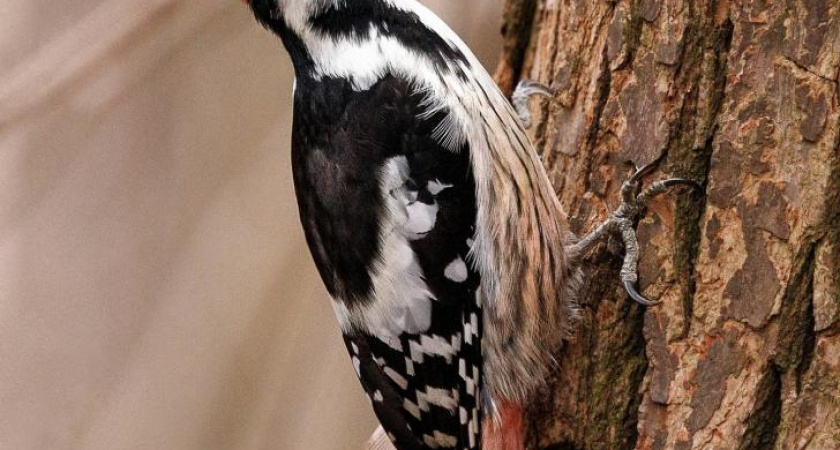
389, 215
427, 213
430, 218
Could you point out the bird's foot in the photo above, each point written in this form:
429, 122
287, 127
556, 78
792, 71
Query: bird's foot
523, 92
622, 221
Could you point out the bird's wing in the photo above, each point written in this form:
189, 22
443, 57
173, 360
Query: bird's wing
390, 215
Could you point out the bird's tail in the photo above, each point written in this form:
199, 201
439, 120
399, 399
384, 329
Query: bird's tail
505, 433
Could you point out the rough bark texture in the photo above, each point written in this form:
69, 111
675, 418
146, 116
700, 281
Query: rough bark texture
742, 96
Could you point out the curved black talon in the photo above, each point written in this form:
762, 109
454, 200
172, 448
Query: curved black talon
631, 186
633, 207
622, 221
643, 171
523, 92
660, 187
637, 297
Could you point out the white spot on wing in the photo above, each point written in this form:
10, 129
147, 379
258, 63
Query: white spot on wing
421, 219
456, 270
402, 302
473, 428
440, 440
429, 441
445, 440
438, 346
438, 397
411, 408
436, 187
396, 377
416, 351
392, 341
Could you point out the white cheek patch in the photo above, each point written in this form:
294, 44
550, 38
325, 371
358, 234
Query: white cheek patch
456, 270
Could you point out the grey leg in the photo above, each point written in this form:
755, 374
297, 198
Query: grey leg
621, 223
523, 92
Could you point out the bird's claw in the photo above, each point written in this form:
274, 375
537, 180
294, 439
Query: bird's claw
634, 201
523, 92
631, 209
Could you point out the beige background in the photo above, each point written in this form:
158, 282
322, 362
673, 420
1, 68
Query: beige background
155, 290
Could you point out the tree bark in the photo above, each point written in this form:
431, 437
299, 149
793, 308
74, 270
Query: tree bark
741, 96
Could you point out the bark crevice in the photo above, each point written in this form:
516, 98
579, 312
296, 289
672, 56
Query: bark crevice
517, 27
763, 424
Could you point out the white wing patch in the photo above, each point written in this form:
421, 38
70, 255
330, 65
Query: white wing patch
436, 187
421, 219
456, 270
402, 302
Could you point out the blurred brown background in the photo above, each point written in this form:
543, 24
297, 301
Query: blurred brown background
155, 290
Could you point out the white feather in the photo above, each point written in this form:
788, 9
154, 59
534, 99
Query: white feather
401, 301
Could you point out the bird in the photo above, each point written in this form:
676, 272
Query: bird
432, 221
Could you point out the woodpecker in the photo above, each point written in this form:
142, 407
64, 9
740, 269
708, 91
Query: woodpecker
431, 220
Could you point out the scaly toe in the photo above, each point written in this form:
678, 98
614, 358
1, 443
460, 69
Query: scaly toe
682, 182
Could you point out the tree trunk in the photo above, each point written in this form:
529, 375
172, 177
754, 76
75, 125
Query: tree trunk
741, 96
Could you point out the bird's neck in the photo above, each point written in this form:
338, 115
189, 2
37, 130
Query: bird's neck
323, 32
289, 20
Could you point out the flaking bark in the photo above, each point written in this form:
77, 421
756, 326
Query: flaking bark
744, 352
